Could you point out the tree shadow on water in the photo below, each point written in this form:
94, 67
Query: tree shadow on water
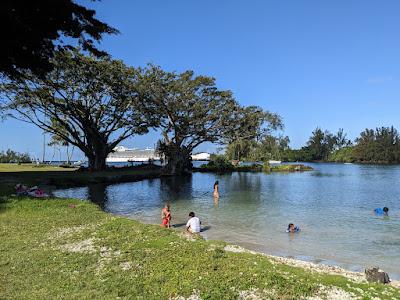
176, 187
97, 193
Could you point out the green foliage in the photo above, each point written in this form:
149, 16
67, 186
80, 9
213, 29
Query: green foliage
126, 259
239, 149
189, 110
345, 154
381, 145
294, 155
91, 103
252, 139
319, 147
266, 167
322, 143
11, 156
291, 168
269, 148
218, 163
32, 32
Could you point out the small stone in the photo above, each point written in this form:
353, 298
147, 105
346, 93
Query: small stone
376, 275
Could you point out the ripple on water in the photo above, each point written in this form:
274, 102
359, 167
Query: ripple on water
332, 205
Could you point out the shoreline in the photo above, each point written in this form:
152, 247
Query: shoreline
307, 265
322, 268
84, 252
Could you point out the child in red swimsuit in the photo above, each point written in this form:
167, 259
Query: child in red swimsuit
166, 216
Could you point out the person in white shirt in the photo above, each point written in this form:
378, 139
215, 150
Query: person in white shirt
193, 224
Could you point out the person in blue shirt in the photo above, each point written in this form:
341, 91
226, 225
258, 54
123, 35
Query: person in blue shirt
381, 211
292, 228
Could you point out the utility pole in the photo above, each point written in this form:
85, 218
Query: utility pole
44, 146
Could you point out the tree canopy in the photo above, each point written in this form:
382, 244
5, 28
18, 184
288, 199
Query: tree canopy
93, 102
11, 156
190, 110
252, 136
32, 32
320, 146
381, 145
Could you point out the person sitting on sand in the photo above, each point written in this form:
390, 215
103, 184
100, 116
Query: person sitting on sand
216, 192
291, 228
381, 211
166, 216
193, 224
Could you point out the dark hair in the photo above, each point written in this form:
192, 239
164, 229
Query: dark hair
216, 183
290, 224
385, 209
191, 214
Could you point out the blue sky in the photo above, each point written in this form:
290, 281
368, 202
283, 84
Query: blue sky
332, 64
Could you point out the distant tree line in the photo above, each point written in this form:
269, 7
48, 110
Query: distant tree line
319, 147
380, 145
11, 156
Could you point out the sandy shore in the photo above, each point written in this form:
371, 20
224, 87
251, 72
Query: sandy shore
313, 267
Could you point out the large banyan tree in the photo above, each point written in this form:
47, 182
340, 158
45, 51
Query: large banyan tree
93, 101
191, 110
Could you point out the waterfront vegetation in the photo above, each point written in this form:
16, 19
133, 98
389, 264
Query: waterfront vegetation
95, 103
374, 146
221, 164
68, 247
380, 146
11, 156
48, 177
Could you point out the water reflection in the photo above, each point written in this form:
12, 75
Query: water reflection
175, 187
97, 193
333, 207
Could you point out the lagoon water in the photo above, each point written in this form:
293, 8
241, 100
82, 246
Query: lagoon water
332, 205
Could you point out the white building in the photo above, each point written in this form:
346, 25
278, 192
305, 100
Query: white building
201, 156
123, 154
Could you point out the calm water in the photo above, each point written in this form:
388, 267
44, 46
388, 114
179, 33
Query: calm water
332, 205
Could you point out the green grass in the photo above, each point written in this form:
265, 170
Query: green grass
37, 261
30, 174
291, 168
30, 168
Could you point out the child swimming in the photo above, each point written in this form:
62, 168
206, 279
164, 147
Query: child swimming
381, 211
291, 228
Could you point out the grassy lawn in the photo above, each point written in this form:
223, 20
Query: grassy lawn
31, 168
30, 174
70, 249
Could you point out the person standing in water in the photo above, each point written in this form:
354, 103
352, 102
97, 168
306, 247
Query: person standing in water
216, 192
166, 216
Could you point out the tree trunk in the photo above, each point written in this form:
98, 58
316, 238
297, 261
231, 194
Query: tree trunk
97, 160
179, 160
